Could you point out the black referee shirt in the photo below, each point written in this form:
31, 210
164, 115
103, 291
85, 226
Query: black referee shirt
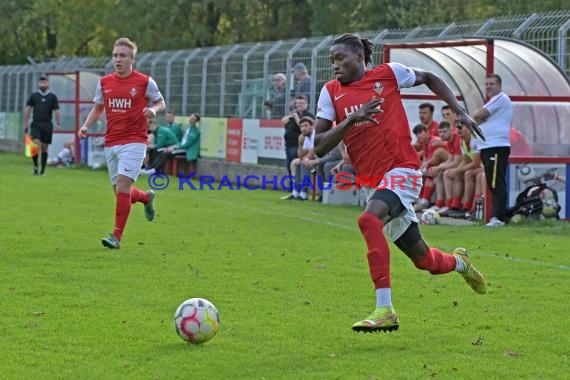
43, 104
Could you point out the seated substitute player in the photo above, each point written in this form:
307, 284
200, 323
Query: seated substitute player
453, 147
459, 185
432, 153
371, 120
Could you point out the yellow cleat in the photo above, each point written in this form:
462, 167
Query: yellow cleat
471, 275
382, 319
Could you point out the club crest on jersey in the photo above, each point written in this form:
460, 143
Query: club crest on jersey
378, 88
133, 91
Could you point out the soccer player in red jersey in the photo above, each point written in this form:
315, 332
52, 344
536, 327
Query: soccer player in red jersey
371, 121
124, 96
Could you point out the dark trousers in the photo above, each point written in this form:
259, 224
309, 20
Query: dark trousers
159, 160
290, 154
495, 162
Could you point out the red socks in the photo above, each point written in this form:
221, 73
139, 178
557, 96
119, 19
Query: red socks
378, 250
139, 196
437, 262
428, 192
122, 210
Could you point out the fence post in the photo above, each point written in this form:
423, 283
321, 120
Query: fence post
187, 60
288, 68
314, 54
446, 29
562, 32
485, 26
205, 79
266, 64
518, 31
223, 79
169, 76
244, 79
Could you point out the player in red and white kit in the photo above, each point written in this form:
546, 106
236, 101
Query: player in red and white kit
124, 96
371, 121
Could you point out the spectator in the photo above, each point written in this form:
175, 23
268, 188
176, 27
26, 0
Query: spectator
190, 143
426, 118
306, 160
335, 162
292, 129
459, 181
65, 157
431, 154
165, 142
449, 115
44, 104
276, 102
452, 146
495, 119
303, 81
174, 127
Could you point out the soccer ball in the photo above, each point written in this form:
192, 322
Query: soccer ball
430, 217
196, 320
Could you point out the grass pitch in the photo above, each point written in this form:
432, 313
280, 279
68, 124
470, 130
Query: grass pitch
289, 279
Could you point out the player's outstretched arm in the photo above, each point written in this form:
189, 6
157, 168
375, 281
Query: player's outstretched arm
92, 118
441, 89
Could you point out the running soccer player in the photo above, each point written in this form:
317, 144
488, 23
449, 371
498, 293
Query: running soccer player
370, 119
124, 96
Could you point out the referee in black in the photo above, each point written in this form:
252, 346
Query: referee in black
44, 103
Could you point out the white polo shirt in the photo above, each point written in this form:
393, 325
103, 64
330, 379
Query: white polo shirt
498, 124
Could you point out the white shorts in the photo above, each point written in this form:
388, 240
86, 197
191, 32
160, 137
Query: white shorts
125, 159
406, 184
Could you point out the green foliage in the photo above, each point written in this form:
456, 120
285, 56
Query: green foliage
44, 29
289, 278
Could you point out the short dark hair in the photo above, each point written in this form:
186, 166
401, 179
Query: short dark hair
448, 107
303, 97
497, 77
427, 105
43, 77
419, 128
197, 115
444, 124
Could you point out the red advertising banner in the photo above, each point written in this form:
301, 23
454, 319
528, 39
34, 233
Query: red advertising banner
233, 141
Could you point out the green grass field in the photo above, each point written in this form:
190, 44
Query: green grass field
289, 279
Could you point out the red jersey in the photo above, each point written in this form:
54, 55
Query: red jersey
453, 146
428, 149
433, 129
124, 100
374, 149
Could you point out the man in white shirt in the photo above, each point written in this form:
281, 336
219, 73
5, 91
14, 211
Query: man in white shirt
495, 119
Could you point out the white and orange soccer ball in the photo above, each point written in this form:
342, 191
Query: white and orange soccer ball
430, 217
196, 320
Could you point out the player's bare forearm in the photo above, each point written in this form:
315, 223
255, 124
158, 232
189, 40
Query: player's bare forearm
440, 88
58, 117
159, 106
328, 140
93, 116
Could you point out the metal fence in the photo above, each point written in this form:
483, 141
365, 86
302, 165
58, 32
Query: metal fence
235, 80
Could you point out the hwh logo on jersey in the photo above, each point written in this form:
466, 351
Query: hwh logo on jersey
353, 109
348, 112
120, 105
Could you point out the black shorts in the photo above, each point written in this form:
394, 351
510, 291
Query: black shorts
42, 134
